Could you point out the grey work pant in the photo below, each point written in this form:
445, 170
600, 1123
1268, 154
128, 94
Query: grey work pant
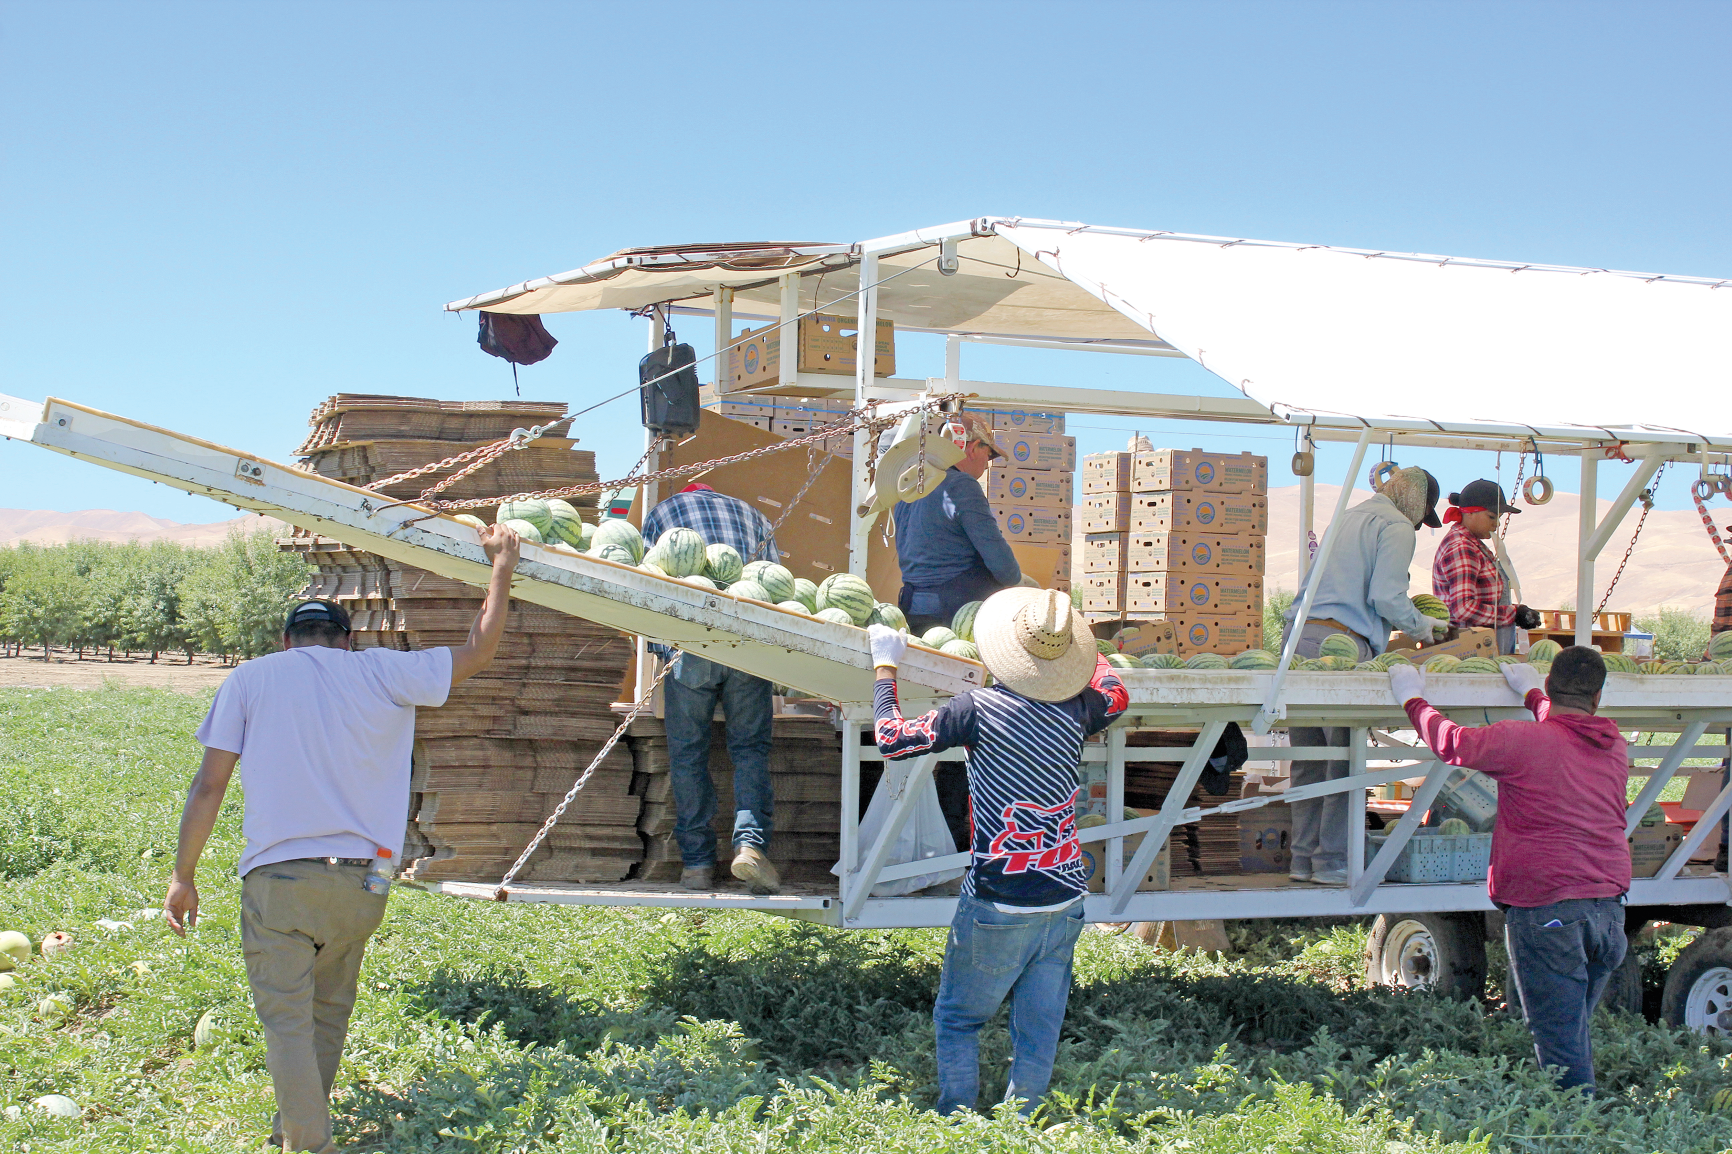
1320, 823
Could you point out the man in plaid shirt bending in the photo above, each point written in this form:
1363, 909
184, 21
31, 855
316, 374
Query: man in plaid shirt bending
1467, 576
691, 695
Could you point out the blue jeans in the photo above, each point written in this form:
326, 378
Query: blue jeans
1320, 823
691, 694
1560, 972
992, 954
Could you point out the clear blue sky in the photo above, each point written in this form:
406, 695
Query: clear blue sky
218, 214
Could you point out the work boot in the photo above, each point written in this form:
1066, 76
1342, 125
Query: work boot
1327, 877
1301, 870
698, 877
753, 868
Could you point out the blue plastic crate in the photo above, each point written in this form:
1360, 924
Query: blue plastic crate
1434, 857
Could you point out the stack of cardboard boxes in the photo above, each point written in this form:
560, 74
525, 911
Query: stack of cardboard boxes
1176, 537
1031, 490
782, 416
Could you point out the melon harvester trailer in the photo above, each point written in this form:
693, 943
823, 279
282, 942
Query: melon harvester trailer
1277, 321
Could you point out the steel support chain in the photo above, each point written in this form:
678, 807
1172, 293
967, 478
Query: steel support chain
485, 453
852, 420
1647, 499
1708, 524
500, 892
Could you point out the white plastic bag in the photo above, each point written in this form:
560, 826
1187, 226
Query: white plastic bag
924, 835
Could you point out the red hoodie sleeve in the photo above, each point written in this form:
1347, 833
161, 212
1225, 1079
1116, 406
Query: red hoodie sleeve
1453, 744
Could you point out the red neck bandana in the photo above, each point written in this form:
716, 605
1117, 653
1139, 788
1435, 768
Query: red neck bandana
697, 487
1455, 512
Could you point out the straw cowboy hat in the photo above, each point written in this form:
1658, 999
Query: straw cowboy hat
1034, 643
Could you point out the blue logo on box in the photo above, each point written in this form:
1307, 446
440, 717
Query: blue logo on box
1205, 473
751, 357
1200, 553
1016, 523
1199, 634
1021, 451
1205, 513
1018, 486
1200, 593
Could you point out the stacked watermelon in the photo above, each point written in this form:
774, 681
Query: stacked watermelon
849, 593
679, 552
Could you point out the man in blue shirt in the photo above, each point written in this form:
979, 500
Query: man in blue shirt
950, 548
691, 694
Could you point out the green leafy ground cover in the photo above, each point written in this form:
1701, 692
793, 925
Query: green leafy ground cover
488, 1028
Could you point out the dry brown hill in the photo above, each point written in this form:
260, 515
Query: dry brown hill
48, 527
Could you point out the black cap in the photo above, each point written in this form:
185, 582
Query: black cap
1482, 494
1431, 492
310, 612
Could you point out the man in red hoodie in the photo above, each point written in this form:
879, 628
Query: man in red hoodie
1560, 864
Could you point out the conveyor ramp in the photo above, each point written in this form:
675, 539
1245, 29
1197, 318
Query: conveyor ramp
819, 658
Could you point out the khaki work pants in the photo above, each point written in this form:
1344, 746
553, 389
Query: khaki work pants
304, 927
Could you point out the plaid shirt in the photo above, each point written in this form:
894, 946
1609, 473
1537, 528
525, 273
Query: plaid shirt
718, 519
1723, 604
1466, 576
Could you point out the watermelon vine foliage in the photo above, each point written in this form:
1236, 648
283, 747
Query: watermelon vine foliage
488, 1028
163, 597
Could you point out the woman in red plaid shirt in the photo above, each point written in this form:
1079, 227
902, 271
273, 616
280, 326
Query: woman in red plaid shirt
1465, 573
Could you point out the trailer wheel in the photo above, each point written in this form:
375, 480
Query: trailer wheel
1698, 993
1444, 953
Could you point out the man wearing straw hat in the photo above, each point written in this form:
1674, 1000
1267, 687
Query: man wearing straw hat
1020, 912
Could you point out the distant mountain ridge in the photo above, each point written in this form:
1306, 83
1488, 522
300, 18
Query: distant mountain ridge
51, 527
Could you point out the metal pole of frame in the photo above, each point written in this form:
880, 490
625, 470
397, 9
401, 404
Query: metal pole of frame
1356, 807
647, 501
1584, 563
1307, 510
724, 299
1115, 847
850, 805
865, 366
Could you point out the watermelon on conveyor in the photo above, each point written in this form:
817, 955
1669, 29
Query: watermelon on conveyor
535, 511
849, 593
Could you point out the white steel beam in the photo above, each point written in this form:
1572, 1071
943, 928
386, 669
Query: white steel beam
1117, 738
1360, 891
1174, 805
1135, 349
860, 885
1621, 507
1116, 402
1356, 808
788, 333
1708, 823
1272, 710
1681, 749
1584, 559
865, 372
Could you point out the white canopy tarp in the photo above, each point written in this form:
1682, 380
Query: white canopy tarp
1329, 330
1298, 328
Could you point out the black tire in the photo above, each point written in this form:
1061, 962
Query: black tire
1698, 993
1624, 990
1442, 952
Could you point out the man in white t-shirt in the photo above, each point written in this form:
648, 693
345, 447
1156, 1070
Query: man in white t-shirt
323, 734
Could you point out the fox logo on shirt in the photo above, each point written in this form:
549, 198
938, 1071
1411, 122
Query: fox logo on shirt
1043, 845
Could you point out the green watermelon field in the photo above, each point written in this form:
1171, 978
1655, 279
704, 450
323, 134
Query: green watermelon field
492, 1029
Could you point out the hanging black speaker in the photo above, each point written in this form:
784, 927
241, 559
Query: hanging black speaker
668, 384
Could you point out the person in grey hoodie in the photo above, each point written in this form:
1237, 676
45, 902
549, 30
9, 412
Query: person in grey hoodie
1361, 594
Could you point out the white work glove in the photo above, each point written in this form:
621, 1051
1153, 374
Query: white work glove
1522, 678
1438, 629
1406, 682
888, 645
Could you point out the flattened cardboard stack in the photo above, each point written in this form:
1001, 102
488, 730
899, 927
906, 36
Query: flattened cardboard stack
492, 762
805, 787
1211, 845
1177, 537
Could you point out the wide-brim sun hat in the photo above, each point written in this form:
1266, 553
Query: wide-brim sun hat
1035, 644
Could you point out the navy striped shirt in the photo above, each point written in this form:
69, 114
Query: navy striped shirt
1022, 780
